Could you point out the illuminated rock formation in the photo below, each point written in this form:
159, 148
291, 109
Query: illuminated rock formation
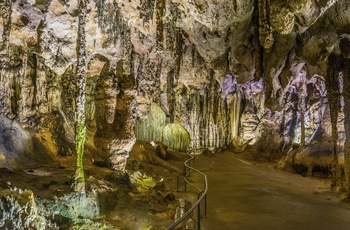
231, 73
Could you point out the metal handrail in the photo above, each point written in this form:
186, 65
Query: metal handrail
202, 194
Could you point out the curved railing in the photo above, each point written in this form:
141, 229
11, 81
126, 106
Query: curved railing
201, 195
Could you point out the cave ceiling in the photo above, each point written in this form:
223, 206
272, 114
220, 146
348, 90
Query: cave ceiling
249, 39
187, 57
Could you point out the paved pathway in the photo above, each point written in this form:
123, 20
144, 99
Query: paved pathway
244, 196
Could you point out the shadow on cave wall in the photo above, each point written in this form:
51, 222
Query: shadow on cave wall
18, 148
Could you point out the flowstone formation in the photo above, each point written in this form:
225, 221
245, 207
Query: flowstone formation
197, 75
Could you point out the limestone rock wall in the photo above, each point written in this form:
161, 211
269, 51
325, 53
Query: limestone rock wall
176, 54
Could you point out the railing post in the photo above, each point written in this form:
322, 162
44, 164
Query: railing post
199, 217
185, 172
205, 205
177, 182
202, 195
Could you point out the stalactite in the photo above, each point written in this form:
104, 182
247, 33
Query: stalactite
222, 136
26, 86
110, 21
265, 30
332, 86
195, 105
147, 8
10, 89
227, 123
263, 98
33, 75
5, 73
80, 131
171, 29
149, 84
24, 95
175, 74
68, 101
206, 116
265, 41
128, 50
15, 90
170, 94
234, 103
193, 55
139, 71
302, 121
259, 49
281, 130
52, 94
211, 111
157, 77
178, 53
209, 117
160, 11
302, 98
41, 86
6, 13
100, 10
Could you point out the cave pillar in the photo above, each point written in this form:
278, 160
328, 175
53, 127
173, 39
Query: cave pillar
80, 128
332, 86
302, 121
6, 17
5, 73
115, 102
235, 107
119, 148
302, 102
234, 104
346, 95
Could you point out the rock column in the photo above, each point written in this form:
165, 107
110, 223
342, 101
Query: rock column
346, 95
332, 86
80, 128
115, 115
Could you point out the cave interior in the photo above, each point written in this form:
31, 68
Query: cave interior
101, 101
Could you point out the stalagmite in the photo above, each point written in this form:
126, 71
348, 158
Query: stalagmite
302, 112
332, 85
346, 95
80, 128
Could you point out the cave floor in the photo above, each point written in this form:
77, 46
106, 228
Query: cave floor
242, 194
247, 195
122, 207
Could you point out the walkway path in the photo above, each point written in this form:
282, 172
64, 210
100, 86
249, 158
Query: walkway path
244, 196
